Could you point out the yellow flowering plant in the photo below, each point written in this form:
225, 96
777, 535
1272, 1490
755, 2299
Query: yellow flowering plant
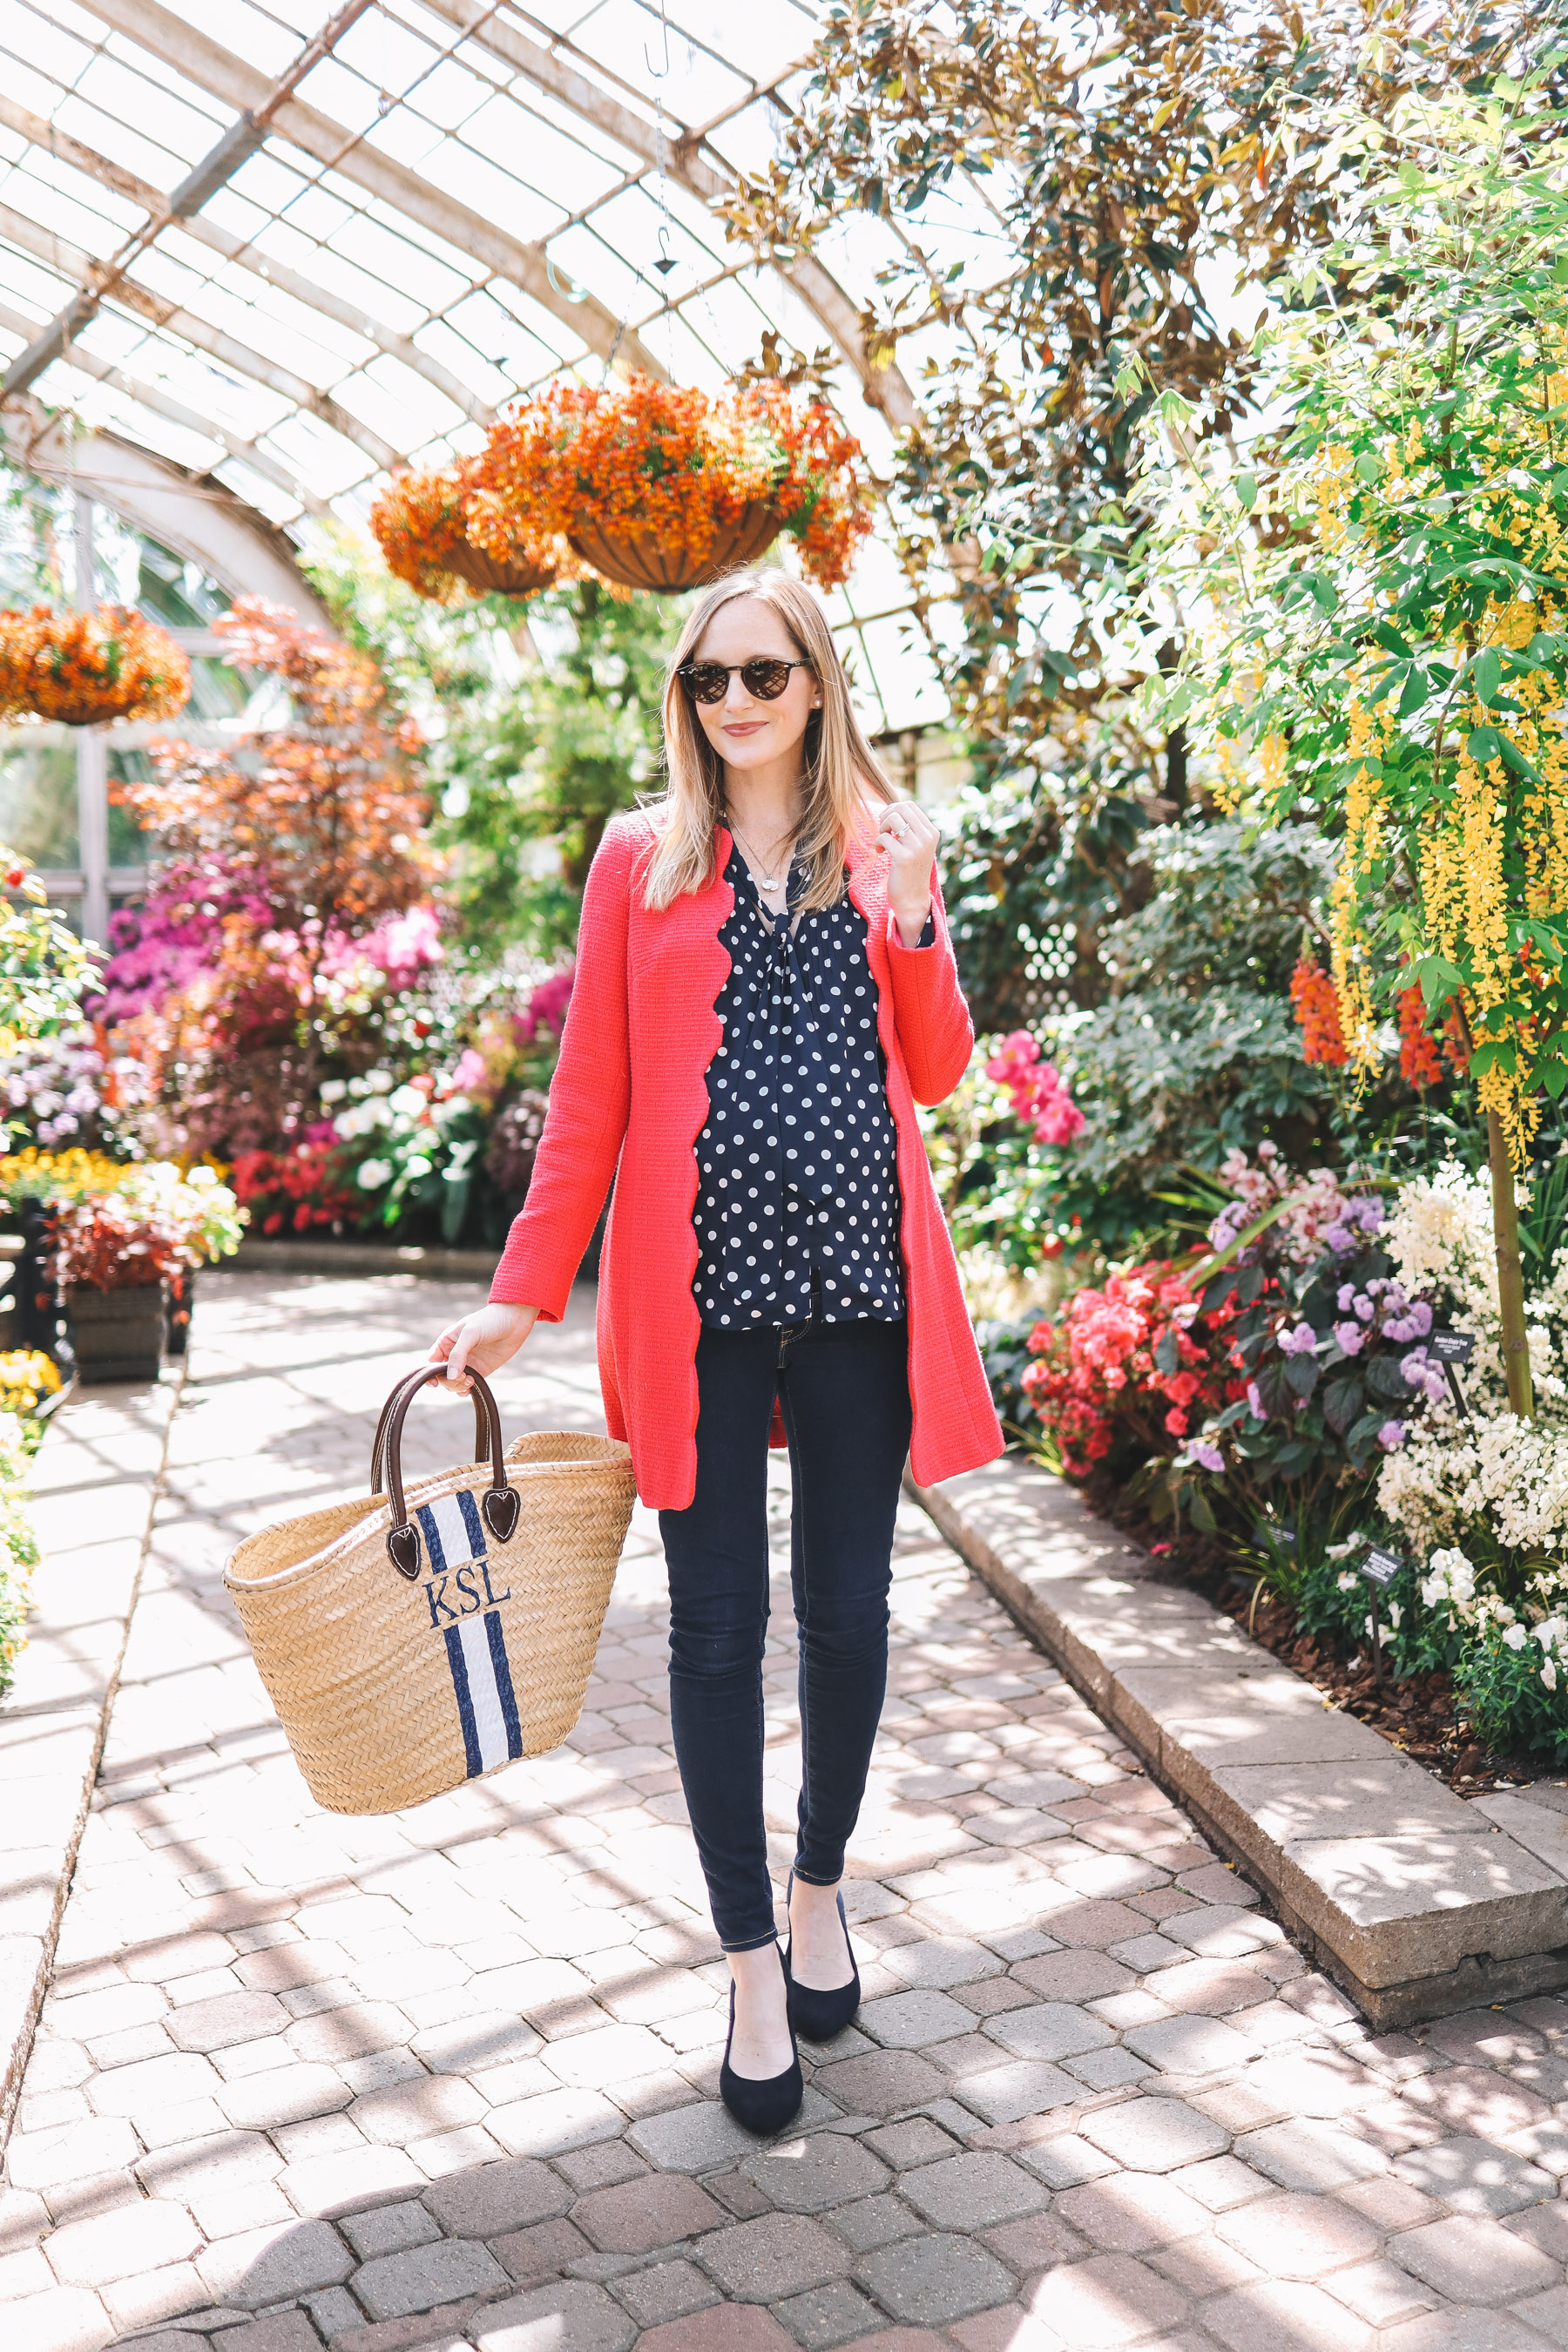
1385, 647
29, 1380
58, 1177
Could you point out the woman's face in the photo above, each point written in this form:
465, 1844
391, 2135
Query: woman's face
745, 731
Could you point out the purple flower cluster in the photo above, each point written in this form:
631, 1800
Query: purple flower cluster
65, 1085
1298, 1342
1229, 1223
1423, 1373
1358, 1217
1403, 1320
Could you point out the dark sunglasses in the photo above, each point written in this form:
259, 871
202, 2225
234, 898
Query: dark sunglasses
764, 679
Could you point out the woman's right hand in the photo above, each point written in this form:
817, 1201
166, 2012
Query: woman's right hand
482, 1343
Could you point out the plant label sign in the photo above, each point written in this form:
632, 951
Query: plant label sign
1379, 1567
1453, 1349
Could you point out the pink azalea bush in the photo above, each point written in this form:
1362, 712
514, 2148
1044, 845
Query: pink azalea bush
1040, 1100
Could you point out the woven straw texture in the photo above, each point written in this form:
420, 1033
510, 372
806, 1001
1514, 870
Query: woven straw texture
391, 1691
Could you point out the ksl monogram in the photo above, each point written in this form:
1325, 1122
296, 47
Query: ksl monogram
445, 1613
469, 1624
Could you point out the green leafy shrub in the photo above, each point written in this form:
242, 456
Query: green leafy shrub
1195, 1052
1510, 1709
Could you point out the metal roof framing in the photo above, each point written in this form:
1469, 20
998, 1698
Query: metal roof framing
228, 77
224, 243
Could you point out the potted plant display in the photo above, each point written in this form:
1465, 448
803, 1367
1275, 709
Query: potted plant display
115, 1253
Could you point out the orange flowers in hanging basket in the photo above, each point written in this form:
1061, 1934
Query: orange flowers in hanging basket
665, 487
422, 523
85, 667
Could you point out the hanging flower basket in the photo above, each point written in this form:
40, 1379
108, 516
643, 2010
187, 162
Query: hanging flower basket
422, 523
87, 667
639, 559
662, 487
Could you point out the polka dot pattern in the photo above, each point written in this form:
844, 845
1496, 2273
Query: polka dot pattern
798, 1176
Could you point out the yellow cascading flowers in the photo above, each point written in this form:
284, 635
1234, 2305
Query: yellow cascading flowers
1335, 483
1461, 866
1359, 859
1460, 877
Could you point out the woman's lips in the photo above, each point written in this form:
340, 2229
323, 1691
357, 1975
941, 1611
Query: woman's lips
745, 726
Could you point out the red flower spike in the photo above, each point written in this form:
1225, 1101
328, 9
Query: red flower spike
1419, 1063
1316, 1007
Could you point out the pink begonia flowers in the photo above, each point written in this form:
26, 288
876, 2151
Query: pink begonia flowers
1034, 1089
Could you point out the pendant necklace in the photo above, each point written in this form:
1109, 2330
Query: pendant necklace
768, 881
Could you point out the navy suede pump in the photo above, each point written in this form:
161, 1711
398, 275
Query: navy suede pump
766, 2104
820, 2015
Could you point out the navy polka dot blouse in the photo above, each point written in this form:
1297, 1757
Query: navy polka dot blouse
798, 1190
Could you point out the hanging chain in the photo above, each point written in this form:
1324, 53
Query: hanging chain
666, 261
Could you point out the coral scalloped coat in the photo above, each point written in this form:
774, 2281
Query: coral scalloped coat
629, 1100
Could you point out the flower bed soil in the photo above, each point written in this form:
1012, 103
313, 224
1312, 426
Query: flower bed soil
1419, 1716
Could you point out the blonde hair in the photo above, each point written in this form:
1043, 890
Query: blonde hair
838, 767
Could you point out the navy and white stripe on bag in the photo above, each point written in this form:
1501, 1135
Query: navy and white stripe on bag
476, 1651
453, 1529
476, 1645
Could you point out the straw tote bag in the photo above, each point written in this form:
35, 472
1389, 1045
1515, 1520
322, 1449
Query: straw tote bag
413, 1640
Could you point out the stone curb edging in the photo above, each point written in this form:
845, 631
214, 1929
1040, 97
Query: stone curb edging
1416, 1902
361, 1257
95, 1483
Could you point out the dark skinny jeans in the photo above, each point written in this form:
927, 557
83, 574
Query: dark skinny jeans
845, 1394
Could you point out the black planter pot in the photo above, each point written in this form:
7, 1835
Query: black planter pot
37, 1295
180, 1289
118, 1335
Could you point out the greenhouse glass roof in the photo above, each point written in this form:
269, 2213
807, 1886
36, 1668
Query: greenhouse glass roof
387, 222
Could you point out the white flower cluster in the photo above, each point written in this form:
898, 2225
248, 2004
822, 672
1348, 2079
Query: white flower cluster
1450, 1583
1463, 1489
1552, 1632
1439, 1235
1511, 1473
368, 1107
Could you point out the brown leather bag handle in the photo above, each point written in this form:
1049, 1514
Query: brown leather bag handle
500, 1503
377, 1469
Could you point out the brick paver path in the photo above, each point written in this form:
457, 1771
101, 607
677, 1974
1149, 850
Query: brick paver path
449, 2078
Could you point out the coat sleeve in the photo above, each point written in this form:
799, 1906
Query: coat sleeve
589, 1097
934, 1023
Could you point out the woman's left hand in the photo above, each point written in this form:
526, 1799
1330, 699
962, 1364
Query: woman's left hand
910, 838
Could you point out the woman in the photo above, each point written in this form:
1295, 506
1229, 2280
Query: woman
765, 990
